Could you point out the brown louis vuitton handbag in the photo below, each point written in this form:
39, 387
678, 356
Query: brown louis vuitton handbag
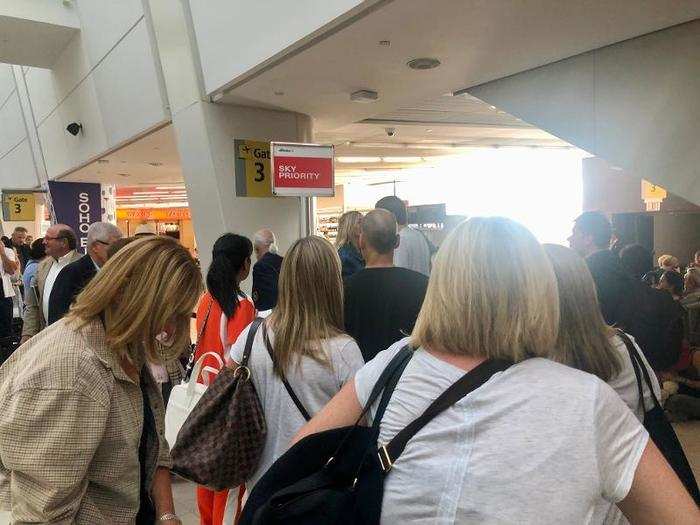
220, 443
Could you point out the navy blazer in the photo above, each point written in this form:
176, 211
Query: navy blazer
69, 283
266, 274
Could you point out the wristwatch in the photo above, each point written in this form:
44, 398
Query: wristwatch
169, 516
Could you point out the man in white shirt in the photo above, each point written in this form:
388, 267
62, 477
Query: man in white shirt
413, 251
61, 242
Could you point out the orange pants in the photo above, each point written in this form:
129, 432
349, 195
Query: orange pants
212, 506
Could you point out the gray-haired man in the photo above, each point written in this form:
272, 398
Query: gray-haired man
266, 270
74, 277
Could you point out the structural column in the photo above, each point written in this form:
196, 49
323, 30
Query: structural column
205, 134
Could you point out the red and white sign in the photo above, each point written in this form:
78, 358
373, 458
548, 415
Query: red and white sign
303, 170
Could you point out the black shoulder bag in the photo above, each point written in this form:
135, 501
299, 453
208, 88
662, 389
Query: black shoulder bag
337, 476
660, 430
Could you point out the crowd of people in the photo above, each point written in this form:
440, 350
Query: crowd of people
557, 435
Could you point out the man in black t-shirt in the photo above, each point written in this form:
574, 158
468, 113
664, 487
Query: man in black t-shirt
382, 301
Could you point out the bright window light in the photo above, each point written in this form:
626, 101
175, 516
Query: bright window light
540, 188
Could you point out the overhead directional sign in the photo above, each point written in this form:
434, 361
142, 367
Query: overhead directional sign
18, 206
302, 170
252, 164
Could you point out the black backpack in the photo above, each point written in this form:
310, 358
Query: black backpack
337, 476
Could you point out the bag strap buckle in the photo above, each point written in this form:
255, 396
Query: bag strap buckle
384, 459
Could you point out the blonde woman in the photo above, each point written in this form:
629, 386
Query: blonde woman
537, 443
348, 243
81, 418
306, 340
585, 342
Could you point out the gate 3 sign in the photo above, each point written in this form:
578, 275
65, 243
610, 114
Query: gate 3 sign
252, 164
302, 170
18, 206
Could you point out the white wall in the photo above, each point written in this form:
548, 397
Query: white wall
107, 78
46, 11
635, 104
234, 36
16, 164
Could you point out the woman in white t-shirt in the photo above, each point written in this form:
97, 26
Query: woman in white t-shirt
305, 331
585, 342
537, 443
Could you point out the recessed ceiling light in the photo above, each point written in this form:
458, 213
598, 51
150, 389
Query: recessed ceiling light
123, 174
279, 93
423, 63
402, 160
364, 96
357, 160
428, 130
385, 42
155, 164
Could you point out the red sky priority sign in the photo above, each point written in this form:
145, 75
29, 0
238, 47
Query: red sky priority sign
303, 170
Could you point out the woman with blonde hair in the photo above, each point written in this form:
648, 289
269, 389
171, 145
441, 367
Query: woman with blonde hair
301, 342
81, 418
585, 342
538, 442
348, 243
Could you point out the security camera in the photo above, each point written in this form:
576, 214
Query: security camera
74, 128
390, 132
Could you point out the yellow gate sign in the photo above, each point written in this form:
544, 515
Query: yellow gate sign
253, 168
18, 206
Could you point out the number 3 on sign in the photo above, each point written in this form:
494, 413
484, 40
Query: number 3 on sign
259, 172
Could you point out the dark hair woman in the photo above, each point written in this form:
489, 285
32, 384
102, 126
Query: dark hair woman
223, 312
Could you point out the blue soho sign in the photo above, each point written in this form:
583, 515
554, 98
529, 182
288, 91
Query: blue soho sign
77, 204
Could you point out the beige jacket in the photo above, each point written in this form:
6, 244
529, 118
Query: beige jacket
33, 316
70, 429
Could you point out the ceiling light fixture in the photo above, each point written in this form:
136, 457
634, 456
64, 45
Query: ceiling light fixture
385, 43
364, 96
357, 160
402, 160
423, 63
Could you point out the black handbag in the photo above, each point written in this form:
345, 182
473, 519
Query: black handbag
659, 428
337, 476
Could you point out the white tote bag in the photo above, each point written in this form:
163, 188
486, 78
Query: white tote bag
186, 395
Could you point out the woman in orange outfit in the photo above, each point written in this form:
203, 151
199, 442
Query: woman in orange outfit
223, 312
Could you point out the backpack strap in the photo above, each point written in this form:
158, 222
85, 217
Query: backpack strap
386, 383
249, 341
280, 373
631, 351
469, 382
638, 365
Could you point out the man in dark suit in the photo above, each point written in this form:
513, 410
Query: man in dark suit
266, 271
74, 277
